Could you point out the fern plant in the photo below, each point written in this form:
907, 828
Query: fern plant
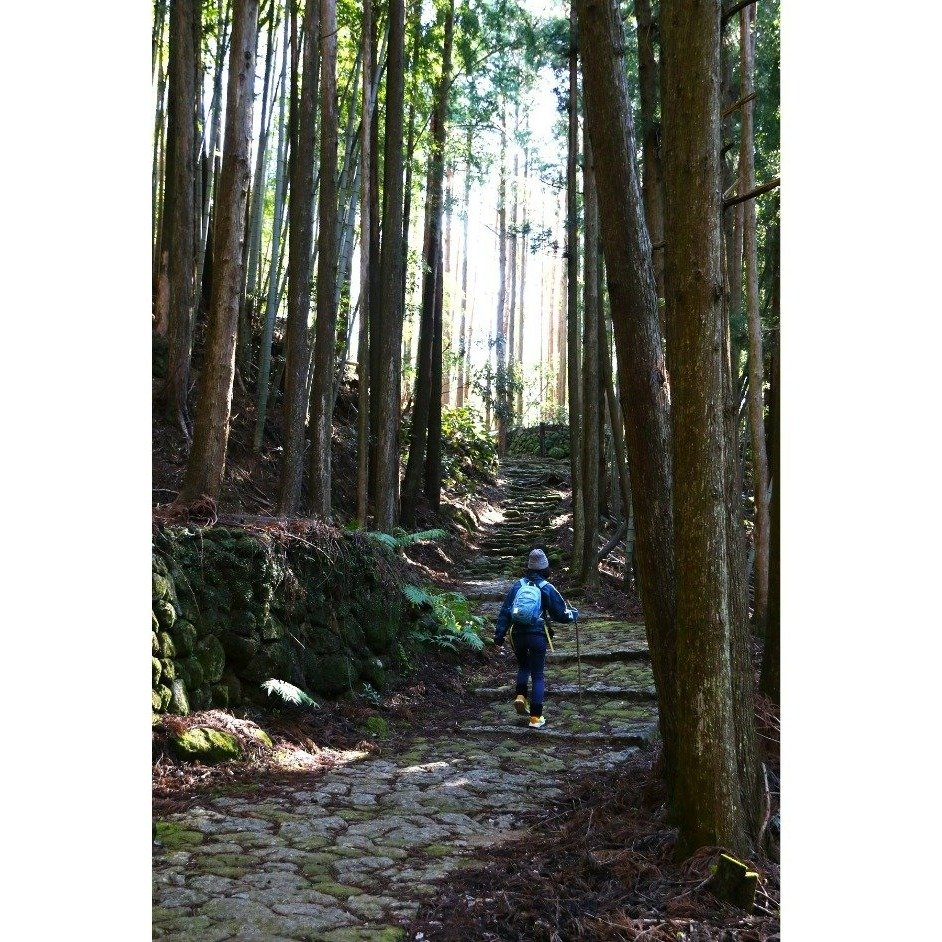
288, 692
455, 623
401, 539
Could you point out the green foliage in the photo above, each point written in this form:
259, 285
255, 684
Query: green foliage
469, 452
400, 539
370, 694
525, 442
452, 622
288, 692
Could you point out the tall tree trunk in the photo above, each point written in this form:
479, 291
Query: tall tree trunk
433, 459
367, 222
181, 137
524, 252
300, 238
572, 307
769, 679
464, 351
642, 372
591, 413
207, 462
652, 180
386, 481
711, 805
375, 312
271, 308
760, 468
425, 425
250, 301
325, 344
512, 369
500, 316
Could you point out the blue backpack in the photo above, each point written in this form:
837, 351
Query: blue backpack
528, 603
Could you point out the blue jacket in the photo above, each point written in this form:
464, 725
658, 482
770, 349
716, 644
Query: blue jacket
552, 603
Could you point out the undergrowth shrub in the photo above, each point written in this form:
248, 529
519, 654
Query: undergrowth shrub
452, 623
525, 442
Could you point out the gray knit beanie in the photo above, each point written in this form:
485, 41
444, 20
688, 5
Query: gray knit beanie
537, 560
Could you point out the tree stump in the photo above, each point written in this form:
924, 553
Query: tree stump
734, 882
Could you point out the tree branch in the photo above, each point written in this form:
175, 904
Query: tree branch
737, 104
734, 9
758, 191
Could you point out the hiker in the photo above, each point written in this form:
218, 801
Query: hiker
524, 611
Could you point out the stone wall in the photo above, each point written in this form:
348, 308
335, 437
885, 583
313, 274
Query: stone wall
232, 609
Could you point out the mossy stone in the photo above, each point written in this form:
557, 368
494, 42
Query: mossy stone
165, 612
220, 695
184, 636
337, 889
245, 623
166, 694
168, 649
379, 635
239, 651
200, 698
192, 672
377, 726
206, 745
161, 588
273, 660
154, 624
174, 836
179, 701
212, 658
272, 629
331, 674
168, 670
155, 703
156, 671
373, 672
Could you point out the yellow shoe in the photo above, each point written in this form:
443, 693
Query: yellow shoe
536, 722
521, 706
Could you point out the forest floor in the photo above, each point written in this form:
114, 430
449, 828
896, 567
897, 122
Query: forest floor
462, 823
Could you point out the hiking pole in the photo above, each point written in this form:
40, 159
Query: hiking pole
578, 664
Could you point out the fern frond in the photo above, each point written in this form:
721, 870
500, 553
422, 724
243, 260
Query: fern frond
423, 536
416, 595
382, 538
288, 692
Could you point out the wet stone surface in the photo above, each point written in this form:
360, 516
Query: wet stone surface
347, 857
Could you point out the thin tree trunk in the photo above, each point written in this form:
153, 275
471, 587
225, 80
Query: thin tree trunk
589, 574
206, 465
653, 179
464, 351
181, 137
433, 460
500, 317
326, 330
300, 238
271, 309
386, 482
711, 805
426, 419
760, 469
512, 369
524, 246
572, 308
366, 224
250, 301
642, 372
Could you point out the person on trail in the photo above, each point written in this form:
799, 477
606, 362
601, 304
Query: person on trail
524, 612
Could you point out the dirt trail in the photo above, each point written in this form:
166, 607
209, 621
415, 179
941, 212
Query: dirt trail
348, 857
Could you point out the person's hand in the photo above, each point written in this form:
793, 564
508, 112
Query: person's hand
573, 614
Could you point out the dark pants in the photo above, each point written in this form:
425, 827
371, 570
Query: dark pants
530, 648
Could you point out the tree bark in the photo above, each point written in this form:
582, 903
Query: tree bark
572, 306
433, 460
524, 252
464, 351
207, 462
300, 238
642, 372
760, 469
500, 316
426, 420
325, 343
653, 178
386, 482
367, 222
181, 272
589, 574
271, 308
711, 805
513, 369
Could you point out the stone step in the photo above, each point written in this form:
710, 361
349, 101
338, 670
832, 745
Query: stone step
600, 657
573, 690
641, 735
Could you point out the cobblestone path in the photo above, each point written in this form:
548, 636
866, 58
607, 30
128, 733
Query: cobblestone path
349, 857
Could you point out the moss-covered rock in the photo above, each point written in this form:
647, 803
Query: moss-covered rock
155, 643
212, 658
239, 651
168, 671
220, 695
166, 694
200, 698
161, 588
174, 836
184, 637
155, 701
165, 612
179, 700
168, 649
373, 672
377, 726
234, 686
331, 674
202, 744
156, 671
192, 672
